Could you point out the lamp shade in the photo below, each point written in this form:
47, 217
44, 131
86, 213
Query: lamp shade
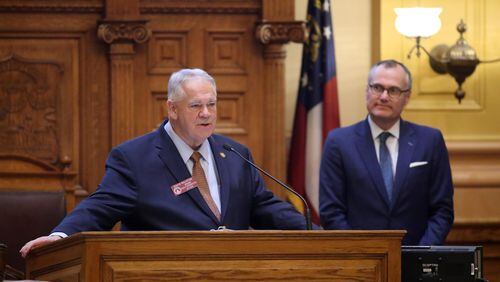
418, 22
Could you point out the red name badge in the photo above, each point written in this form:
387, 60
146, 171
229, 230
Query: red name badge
184, 186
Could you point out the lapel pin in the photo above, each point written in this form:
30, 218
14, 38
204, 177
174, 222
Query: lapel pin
222, 155
410, 143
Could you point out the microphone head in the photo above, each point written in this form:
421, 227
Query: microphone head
227, 147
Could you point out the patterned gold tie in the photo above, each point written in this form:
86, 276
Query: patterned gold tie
199, 176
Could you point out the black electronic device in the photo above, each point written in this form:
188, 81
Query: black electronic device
441, 263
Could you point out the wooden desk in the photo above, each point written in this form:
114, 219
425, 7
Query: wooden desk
221, 256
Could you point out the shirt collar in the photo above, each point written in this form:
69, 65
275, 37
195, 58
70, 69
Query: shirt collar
184, 150
376, 130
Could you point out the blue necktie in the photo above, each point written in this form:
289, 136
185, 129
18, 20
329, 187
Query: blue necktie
386, 163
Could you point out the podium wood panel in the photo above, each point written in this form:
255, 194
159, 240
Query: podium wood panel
221, 256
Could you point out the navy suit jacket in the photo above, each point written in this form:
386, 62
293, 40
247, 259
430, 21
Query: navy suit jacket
136, 190
353, 194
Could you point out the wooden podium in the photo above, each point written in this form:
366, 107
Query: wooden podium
220, 256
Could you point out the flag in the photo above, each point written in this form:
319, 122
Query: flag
317, 109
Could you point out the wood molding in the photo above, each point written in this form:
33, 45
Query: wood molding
474, 232
200, 7
47, 6
475, 163
476, 177
281, 32
478, 147
28, 173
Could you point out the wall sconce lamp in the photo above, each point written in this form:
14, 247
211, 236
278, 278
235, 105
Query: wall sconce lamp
459, 60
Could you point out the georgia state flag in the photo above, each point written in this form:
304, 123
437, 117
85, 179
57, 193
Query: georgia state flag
317, 110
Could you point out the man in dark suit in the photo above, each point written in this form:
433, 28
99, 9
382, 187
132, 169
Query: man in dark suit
385, 172
180, 177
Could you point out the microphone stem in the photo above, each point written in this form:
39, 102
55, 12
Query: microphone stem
307, 211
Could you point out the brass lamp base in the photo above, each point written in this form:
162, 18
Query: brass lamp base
459, 60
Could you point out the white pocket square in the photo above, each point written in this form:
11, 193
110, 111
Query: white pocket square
415, 164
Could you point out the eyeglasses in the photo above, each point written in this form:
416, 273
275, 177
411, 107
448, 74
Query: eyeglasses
393, 92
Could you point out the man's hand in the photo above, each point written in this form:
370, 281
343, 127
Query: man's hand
40, 241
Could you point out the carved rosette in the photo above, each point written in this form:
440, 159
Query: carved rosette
281, 32
123, 31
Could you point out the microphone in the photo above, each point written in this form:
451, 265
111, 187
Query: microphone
304, 202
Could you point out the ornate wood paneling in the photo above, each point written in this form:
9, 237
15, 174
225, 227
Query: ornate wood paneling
36, 104
168, 52
232, 117
220, 37
28, 107
225, 52
52, 67
99, 69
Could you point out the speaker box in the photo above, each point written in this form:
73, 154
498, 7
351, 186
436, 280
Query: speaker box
441, 263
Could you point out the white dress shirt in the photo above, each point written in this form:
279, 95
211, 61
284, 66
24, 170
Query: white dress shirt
207, 161
391, 142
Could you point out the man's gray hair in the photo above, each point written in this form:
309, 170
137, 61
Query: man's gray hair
175, 91
391, 64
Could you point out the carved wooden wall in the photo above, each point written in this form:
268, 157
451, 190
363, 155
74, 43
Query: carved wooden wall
78, 77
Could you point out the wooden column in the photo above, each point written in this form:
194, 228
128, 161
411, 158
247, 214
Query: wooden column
122, 91
274, 35
122, 29
274, 88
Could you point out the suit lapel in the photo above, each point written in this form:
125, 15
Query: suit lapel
366, 149
219, 154
172, 160
170, 156
407, 143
